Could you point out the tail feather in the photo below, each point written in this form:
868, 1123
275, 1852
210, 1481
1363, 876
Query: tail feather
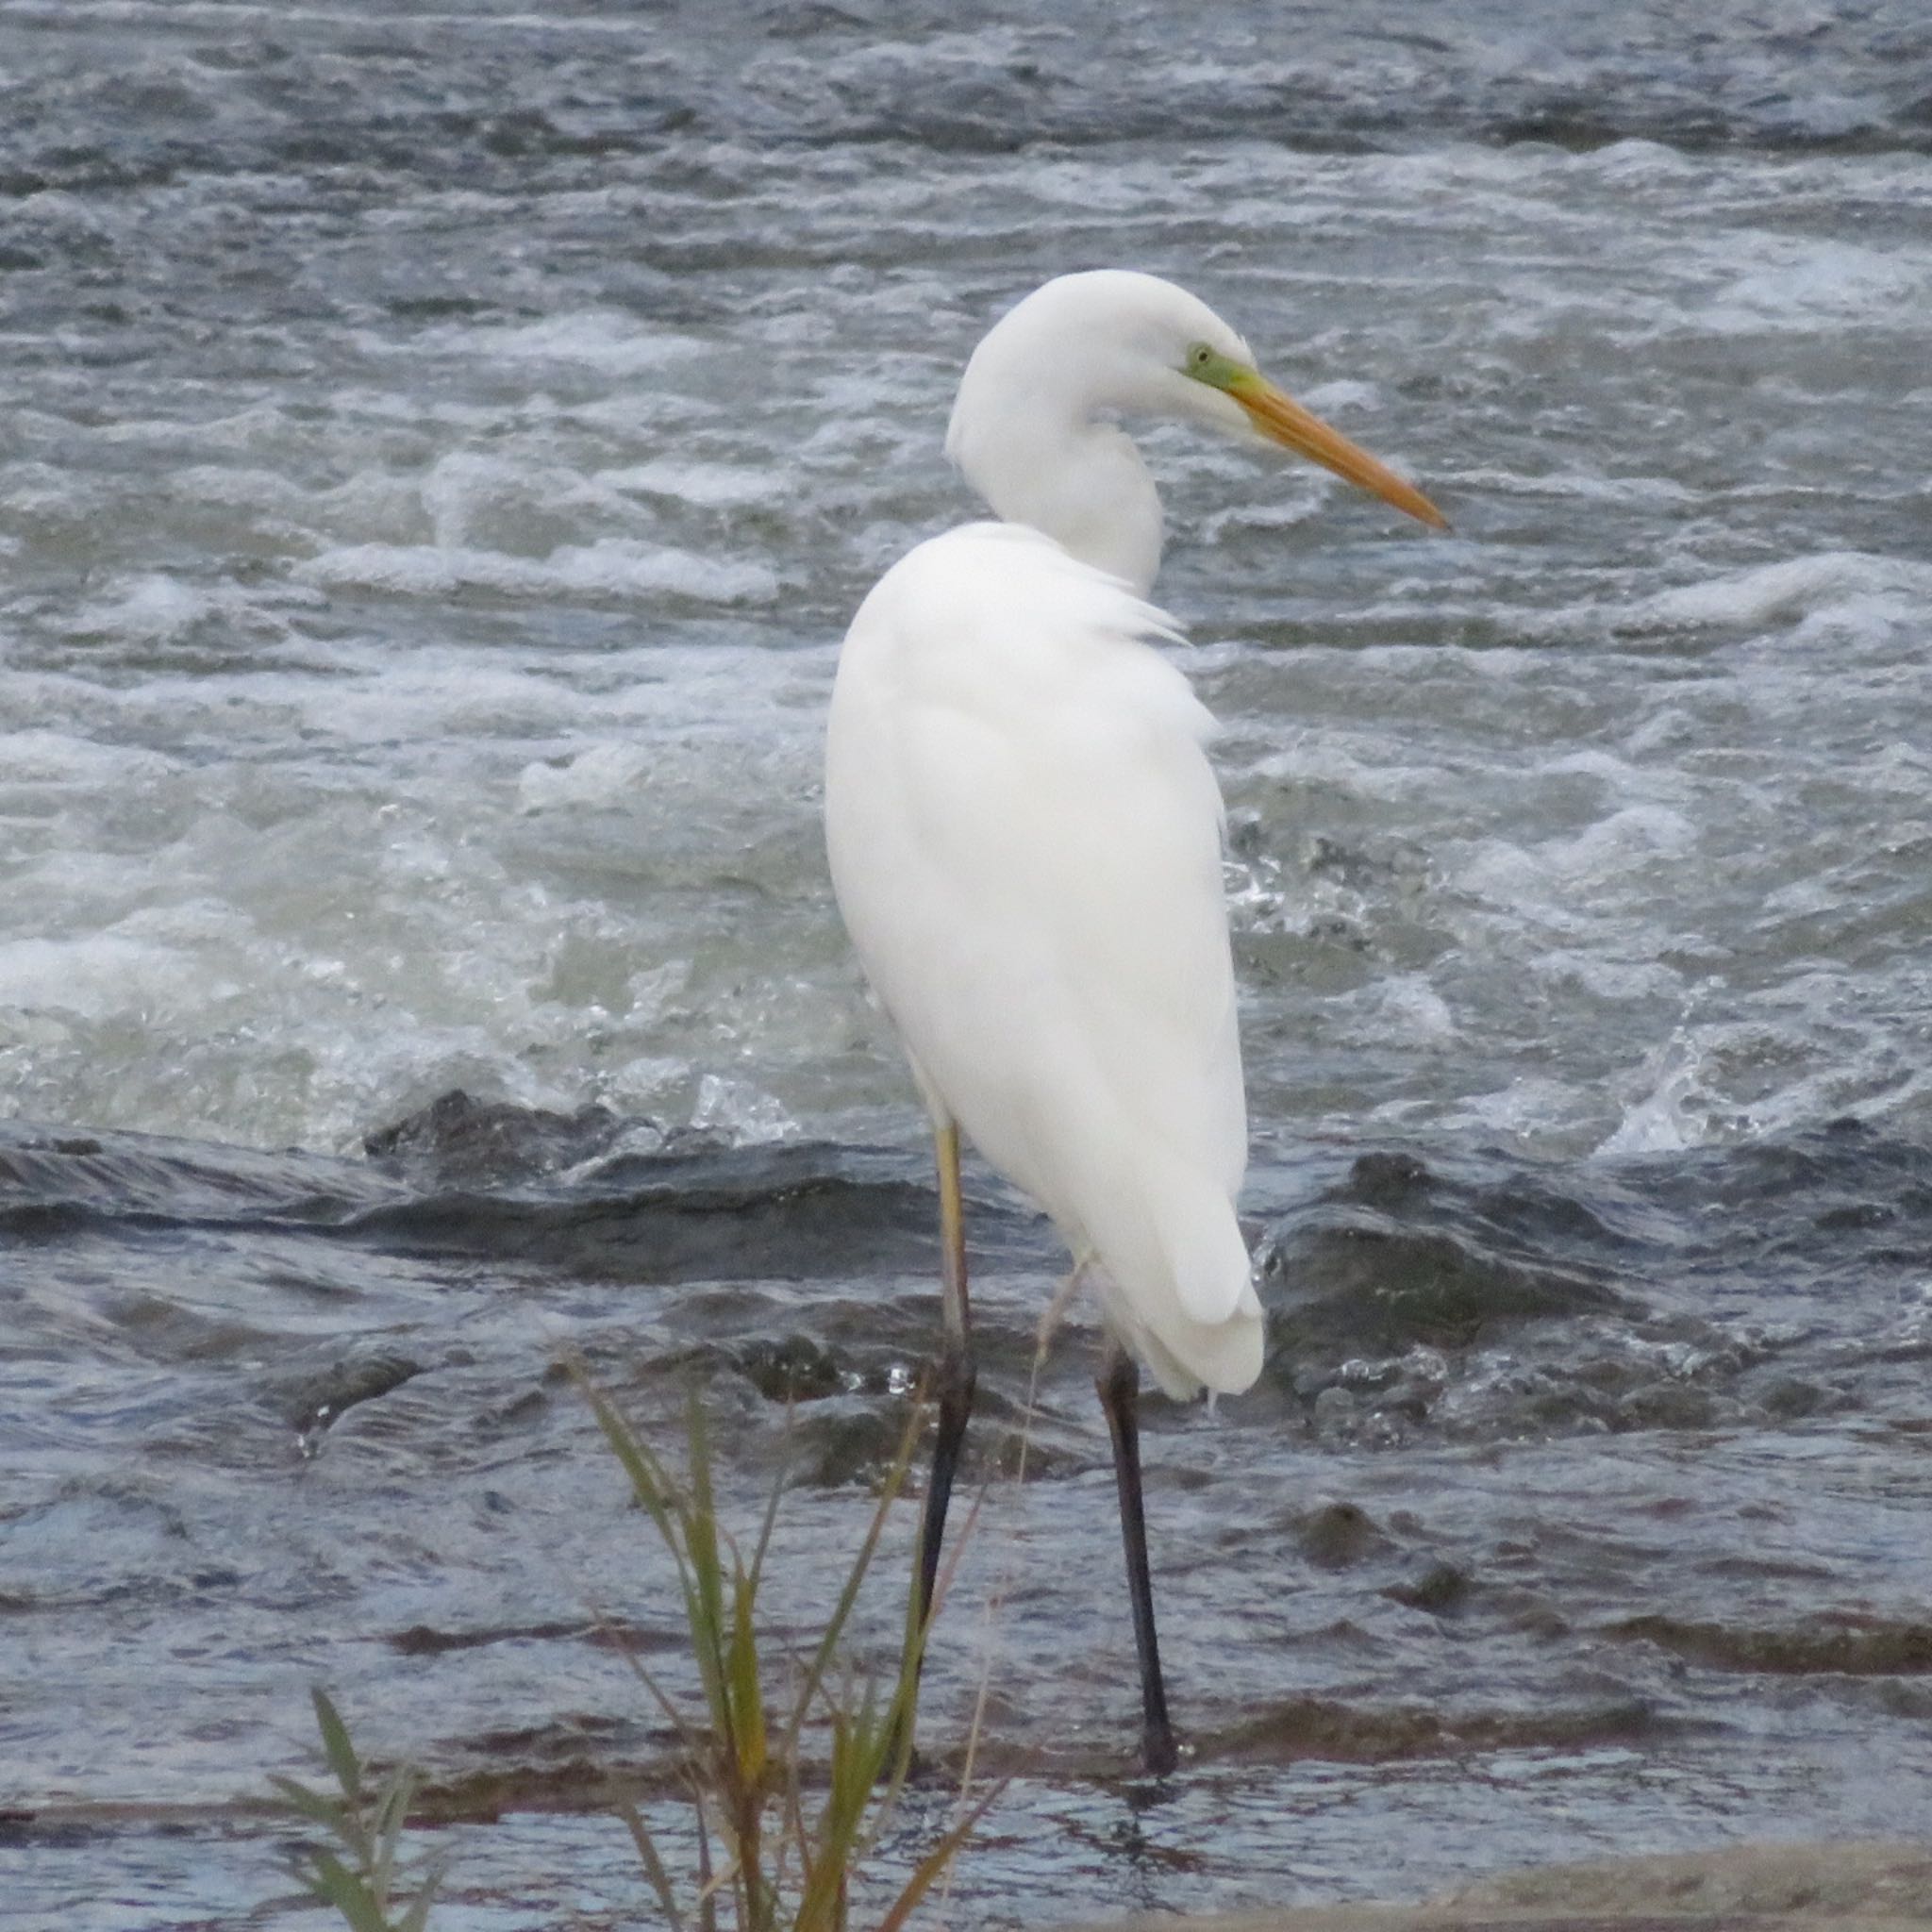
1186, 1302
1207, 1258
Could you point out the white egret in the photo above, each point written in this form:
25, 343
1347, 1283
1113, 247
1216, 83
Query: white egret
1025, 836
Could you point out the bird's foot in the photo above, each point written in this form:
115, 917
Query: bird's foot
1160, 1752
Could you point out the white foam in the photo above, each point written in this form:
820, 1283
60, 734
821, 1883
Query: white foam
710, 486
41, 758
741, 1113
1580, 485
602, 774
610, 344
97, 975
1341, 395
1325, 761
1637, 161
444, 702
485, 500
1798, 588
1626, 842
1404, 1009
1667, 1117
614, 567
156, 607
433, 694
1808, 281
1531, 1107
1605, 976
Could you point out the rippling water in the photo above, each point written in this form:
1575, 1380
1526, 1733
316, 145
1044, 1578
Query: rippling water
440, 456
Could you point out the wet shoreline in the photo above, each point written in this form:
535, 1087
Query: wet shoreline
1793, 1887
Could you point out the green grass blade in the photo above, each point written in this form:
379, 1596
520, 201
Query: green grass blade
336, 1746
334, 1884
648, 1481
708, 1892
747, 1692
327, 1812
670, 1516
392, 1812
932, 1867
653, 1864
771, 1518
707, 1571
905, 1707
417, 1917
657, 1694
842, 1611
858, 1747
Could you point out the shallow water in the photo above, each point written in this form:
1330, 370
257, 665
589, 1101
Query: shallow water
439, 458
1578, 1507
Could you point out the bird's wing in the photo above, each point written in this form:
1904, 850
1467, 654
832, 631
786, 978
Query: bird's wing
1026, 840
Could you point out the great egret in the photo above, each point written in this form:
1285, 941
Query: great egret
1025, 836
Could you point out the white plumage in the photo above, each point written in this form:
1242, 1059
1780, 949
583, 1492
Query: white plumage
1026, 841
1024, 836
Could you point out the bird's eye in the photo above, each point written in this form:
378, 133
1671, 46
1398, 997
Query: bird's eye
1199, 355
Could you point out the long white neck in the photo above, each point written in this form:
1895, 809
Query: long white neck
1080, 481
1035, 425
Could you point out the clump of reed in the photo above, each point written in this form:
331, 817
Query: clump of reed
793, 1766
362, 1874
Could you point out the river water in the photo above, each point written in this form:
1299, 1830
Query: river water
439, 454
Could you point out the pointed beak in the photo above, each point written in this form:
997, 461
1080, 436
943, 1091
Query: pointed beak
1283, 420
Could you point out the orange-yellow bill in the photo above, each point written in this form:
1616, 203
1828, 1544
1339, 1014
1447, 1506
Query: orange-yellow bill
1283, 420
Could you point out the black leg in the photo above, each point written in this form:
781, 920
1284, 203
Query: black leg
1119, 1382
956, 1373
956, 1378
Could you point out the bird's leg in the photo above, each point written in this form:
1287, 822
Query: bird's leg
1119, 1382
956, 1371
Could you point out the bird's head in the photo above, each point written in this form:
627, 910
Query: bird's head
1113, 343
